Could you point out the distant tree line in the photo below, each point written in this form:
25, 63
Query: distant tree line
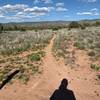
75, 24
24, 27
1, 28
83, 25
29, 27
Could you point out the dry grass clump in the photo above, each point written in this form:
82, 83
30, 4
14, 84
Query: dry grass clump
15, 42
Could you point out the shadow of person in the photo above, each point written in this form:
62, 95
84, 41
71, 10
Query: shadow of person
63, 93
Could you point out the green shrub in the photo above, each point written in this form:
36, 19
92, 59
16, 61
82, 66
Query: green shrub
97, 23
79, 45
95, 67
74, 24
35, 57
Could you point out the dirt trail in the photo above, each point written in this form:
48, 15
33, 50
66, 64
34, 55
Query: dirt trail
41, 87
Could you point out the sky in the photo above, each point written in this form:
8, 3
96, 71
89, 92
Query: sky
48, 10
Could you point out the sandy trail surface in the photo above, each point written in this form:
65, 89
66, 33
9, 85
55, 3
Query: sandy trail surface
81, 80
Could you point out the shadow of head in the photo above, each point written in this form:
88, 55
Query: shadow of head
64, 84
63, 93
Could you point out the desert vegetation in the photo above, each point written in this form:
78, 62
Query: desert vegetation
13, 44
67, 42
22, 48
44, 53
26, 66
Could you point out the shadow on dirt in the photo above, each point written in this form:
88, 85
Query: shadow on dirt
9, 77
63, 93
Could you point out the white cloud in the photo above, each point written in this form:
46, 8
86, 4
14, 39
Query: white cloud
60, 9
20, 16
47, 1
21, 11
2, 16
59, 4
37, 10
94, 9
84, 13
7, 9
15, 7
12, 8
1, 13
93, 12
14, 19
89, 1
44, 1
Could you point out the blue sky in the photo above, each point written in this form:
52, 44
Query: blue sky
48, 10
